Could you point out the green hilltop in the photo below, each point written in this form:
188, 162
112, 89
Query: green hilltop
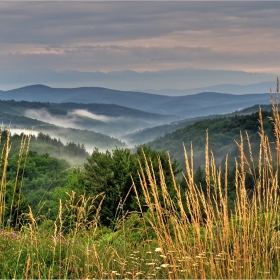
222, 131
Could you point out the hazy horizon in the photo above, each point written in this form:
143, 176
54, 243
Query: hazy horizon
46, 42
157, 82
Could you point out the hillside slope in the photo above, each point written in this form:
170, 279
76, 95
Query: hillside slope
150, 134
222, 132
109, 119
54, 120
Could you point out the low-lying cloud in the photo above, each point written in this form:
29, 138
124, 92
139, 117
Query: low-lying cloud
19, 131
87, 114
71, 119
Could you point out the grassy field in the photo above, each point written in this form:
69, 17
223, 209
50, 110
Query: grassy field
196, 236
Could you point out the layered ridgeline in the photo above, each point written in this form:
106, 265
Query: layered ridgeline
187, 106
89, 115
94, 125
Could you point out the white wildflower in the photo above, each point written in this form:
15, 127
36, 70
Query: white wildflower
158, 249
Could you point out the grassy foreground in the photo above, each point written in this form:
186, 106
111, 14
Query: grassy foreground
196, 236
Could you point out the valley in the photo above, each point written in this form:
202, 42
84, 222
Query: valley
111, 118
109, 124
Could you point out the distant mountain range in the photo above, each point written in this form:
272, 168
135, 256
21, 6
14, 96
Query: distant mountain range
188, 106
177, 79
263, 87
93, 125
105, 118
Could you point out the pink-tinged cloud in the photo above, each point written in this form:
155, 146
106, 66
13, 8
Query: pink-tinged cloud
140, 36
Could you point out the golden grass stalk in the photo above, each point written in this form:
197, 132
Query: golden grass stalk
4, 164
22, 158
216, 242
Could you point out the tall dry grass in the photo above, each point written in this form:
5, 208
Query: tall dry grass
205, 239
197, 236
12, 207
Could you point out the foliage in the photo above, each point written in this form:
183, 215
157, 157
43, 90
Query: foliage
40, 176
44, 143
112, 173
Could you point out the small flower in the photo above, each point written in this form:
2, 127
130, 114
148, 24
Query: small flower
158, 250
8, 220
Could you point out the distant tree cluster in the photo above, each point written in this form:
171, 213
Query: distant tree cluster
44, 142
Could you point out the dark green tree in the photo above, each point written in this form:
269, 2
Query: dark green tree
37, 178
112, 173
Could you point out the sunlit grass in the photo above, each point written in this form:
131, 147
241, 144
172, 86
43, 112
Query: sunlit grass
196, 236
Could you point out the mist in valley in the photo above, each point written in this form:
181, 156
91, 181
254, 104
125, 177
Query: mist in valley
116, 127
71, 119
19, 131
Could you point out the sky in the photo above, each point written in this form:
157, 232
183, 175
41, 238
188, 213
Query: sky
38, 36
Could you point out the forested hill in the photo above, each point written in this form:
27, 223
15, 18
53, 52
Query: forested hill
19, 107
109, 119
222, 133
74, 154
150, 134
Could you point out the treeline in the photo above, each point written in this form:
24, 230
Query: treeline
56, 147
44, 179
37, 171
44, 143
40, 180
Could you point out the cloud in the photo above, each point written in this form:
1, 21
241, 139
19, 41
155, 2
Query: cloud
71, 119
230, 54
19, 131
150, 36
44, 115
86, 114
72, 23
